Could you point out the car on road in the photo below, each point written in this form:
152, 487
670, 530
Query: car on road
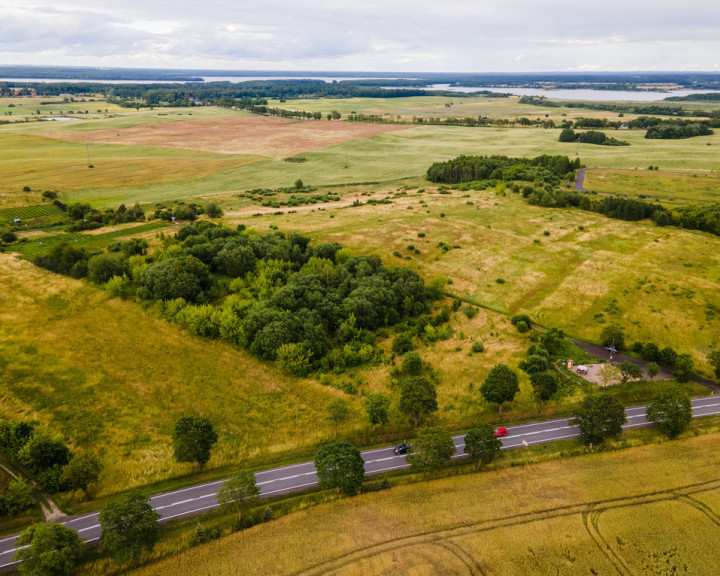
500, 432
402, 449
611, 349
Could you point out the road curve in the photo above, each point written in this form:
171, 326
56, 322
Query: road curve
295, 477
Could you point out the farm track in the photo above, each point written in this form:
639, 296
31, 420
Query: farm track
589, 512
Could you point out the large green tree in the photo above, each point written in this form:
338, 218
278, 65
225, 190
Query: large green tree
340, 466
433, 448
239, 492
48, 549
671, 410
544, 385
613, 335
377, 406
629, 370
599, 417
500, 386
683, 369
418, 397
129, 525
82, 471
193, 437
104, 266
481, 444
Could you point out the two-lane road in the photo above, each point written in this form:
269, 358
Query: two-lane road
296, 477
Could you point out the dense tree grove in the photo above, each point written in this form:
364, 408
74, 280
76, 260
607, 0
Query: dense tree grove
469, 168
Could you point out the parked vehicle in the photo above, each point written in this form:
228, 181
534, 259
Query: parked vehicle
611, 349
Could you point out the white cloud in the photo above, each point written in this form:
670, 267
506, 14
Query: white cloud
480, 35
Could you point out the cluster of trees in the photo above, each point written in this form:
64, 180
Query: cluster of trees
621, 109
678, 129
302, 306
47, 457
85, 217
682, 365
503, 168
589, 137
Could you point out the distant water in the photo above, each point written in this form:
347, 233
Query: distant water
579, 94
58, 118
235, 79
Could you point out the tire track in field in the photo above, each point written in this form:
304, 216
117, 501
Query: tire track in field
589, 511
590, 521
466, 558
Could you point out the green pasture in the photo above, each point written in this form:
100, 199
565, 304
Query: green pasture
666, 187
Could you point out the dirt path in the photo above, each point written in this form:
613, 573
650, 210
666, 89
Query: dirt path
50, 510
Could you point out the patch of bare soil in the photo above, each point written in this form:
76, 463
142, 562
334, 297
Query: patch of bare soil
266, 136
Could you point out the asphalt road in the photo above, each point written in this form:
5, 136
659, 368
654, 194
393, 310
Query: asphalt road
296, 477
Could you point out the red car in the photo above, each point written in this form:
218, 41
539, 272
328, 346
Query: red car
500, 432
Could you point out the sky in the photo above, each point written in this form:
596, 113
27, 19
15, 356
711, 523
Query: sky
372, 35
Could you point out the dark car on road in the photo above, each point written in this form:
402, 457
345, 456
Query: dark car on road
402, 449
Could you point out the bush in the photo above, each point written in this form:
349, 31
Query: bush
470, 312
412, 364
402, 343
477, 347
103, 267
8, 237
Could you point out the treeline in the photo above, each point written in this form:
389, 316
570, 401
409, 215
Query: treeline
85, 217
642, 109
305, 307
712, 96
452, 121
502, 168
678, 129
589, 137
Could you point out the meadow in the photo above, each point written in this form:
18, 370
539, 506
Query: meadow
664, 281
121, 172
601, 513
666, 187
113, 376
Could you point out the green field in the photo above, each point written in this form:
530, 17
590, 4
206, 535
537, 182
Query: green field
636, 511
93, 368
665, 187
30, 212
666, 281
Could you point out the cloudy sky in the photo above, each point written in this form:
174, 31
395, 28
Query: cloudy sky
380, 35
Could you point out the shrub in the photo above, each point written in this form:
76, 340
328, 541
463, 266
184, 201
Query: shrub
478, 347
8, 237
470, 312
402, 343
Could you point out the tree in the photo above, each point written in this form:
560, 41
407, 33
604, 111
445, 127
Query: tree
412, 364
500, 386
653, 369
402, 343
82, 471
629, 370
129, 525
48, 549
433, 448
377, 406
104, 266
544, 385
418, 397
683, 368
213, 210
340, 466
481, 444
613, 335
338, 410
567, 135
534, 364
193, 437
671, 410
239, 492
299, 184
714, 359
293, 358
599, 417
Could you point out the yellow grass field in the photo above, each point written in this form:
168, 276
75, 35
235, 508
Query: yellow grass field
666, 281
651, 510
666, 187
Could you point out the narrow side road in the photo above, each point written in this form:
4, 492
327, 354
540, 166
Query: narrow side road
295, 477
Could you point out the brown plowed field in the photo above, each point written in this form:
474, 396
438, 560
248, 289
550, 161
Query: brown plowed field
275, 137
